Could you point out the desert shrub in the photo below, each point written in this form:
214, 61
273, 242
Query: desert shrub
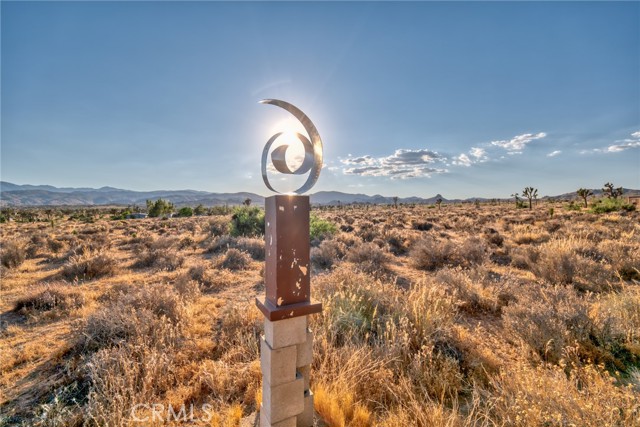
201, 274
367, 231
122, 377
368, 257
624, 258
59, 297
219, 225
550, 319
428, 254
153, 315
618, 313
186, 243
165, 259
548, 396
247, 221
472, 251
555, 263
35, 245
355, 305
188, 289
523, 257
132, 348
464, 223
160, 254
13, 254
493, 237
238, 333
235, 259
474, 291
422, 225
327, 254
383, 342
220, 244
254, 247
55, 245
88, 266
397, 243
552, 226
525, 234
320, 229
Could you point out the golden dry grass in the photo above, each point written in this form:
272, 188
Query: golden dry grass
453, 317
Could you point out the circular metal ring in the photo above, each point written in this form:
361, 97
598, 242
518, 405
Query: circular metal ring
312, 162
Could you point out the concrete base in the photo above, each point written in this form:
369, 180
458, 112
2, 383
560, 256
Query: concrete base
264, 422
283, 333
278, 365
305, 371
286, 354
305, 419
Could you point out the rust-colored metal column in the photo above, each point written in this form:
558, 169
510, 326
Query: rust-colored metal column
287, 268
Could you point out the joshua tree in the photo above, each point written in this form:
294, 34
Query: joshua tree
515, 195
611, 192
395, 201
584, 193
439, 202
247, 202
530, 193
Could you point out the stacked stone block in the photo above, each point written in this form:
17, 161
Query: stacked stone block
286, 356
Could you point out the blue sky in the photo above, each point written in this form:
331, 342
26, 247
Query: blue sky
416, 98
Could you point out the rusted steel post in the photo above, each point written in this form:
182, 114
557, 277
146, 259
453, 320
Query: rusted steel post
287, 267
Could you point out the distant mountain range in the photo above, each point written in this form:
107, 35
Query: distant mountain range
47, 195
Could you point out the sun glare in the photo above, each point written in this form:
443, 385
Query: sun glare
295, 152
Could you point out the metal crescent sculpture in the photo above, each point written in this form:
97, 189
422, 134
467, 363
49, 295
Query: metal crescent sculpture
312, 150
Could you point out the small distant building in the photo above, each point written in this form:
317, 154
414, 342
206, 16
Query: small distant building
137, 216
634, 200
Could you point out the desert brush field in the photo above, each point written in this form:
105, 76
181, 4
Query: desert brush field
463, 315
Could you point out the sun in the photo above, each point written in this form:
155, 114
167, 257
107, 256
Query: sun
289, 128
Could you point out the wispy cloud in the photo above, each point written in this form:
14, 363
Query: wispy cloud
554, 153
462, 160
517, 143
619, 145
402, 164
476, 155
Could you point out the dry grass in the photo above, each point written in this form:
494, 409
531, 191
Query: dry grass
451, 317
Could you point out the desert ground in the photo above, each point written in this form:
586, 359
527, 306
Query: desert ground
463, 315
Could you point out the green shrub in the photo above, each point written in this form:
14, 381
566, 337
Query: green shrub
247, 221
159, 207
185, 211
611, 205
321, 229
573, 206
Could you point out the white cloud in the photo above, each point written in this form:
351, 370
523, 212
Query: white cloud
478, 153
462, 160
554, 153
363, 160
402, 164
405, 163
621, 145
517, 143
